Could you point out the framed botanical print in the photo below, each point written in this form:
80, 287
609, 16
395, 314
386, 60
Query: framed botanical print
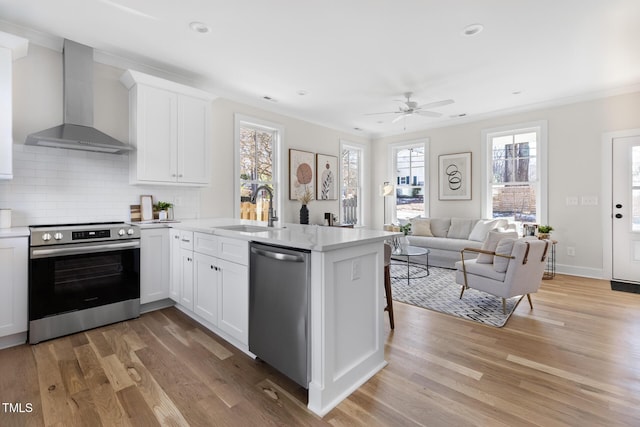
326, 177
454, 176
301, 173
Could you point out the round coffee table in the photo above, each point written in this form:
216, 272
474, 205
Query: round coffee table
413, 251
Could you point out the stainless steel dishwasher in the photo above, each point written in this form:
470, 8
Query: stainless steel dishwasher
279, 309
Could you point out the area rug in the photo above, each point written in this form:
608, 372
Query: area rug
439, 292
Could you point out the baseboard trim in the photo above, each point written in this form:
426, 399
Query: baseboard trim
572, 270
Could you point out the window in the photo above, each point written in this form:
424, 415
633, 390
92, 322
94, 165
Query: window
351, 174
410, 166
515, 173
257, 147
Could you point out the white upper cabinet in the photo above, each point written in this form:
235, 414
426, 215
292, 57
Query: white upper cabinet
11, 48
170, 127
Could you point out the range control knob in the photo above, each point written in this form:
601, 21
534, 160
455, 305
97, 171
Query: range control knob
121, 232
130, 232
46, 237
57, 236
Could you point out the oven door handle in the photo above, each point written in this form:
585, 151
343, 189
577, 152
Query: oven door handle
83, 249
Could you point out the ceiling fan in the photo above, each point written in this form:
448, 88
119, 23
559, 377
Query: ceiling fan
410, 108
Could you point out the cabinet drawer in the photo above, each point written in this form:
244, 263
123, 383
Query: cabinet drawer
205, 244
186, 239
233, 250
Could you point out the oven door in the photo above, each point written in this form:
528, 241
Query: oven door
79, 276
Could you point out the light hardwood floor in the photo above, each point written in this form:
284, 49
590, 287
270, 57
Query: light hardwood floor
574, 360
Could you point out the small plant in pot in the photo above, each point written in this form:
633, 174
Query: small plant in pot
544, 231
163, 209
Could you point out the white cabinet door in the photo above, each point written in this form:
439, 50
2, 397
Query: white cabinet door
175, 265
233, 314
194, 118
205, 283
186, 278
157, 135
154, 265
14, 253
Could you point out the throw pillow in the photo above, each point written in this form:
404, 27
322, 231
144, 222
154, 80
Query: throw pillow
505, 247
440, 226
491, 243
460, 228
421, 227
482, 227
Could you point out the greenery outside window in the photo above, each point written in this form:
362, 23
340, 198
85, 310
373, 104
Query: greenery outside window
257, 144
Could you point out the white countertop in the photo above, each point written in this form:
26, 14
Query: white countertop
14, 232
312, 237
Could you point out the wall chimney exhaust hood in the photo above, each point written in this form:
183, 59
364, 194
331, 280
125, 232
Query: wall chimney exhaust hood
77, 131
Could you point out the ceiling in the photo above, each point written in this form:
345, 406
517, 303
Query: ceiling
331, 62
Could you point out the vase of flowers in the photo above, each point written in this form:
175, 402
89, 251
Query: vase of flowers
305, 198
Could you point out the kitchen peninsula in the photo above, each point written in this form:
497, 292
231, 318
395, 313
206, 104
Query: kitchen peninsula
346, 298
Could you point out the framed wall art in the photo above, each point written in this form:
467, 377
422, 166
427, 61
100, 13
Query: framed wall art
146, 207
326, 177
454, 176
301, 173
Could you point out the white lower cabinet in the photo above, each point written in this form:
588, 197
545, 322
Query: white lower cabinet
205, 284
186, 278
154, 272
233, 307
14, 259
210, 278
174, 265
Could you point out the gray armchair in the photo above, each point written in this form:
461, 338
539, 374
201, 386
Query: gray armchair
514, 268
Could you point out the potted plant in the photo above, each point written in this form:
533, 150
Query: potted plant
163, 209
544, 231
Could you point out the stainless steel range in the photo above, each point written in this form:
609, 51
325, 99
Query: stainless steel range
82, 276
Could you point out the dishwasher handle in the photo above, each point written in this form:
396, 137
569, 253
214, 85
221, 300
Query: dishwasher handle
278, 255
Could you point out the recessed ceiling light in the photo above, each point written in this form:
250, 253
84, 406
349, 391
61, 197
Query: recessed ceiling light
199, 27
472, 30
358, 129
303, 92
268, 98
516, 92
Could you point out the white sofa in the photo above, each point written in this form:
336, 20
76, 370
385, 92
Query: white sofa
446, 237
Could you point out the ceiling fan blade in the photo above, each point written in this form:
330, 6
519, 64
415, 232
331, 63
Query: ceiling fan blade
437, 104
386, 112
429, 113
399, 117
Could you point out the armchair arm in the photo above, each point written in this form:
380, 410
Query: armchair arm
482, 251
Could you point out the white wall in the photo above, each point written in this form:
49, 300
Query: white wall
53, 185
575, 169
219, 200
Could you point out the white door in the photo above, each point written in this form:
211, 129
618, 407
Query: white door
233, 308
205, 284
626, 209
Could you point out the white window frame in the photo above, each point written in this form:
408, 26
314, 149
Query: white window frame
391, 175
363, 215
540, 128
241, 120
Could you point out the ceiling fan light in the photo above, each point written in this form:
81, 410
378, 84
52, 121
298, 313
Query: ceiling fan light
472, 30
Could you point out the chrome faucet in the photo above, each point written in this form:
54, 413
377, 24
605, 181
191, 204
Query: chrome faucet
270, 216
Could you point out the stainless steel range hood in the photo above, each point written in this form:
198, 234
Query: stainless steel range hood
77, 131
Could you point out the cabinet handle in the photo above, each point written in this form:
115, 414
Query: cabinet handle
186, 240
212, 267
189, 259
180, 176
176, 237
173, 175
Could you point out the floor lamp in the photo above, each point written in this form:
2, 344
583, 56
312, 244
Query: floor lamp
386, 190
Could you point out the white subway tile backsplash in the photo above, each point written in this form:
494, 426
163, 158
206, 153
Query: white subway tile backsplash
63, 186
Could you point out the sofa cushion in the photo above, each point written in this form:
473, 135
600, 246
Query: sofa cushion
505, 247
460, 228
482, 228
421, 227
491, 243
440, 226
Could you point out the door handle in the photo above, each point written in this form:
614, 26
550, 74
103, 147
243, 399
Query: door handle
618, 216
